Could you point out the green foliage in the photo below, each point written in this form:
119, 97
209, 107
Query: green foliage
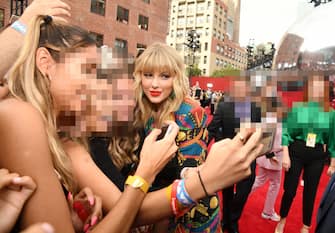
227, 71
193, 71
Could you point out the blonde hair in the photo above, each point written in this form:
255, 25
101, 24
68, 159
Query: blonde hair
27, 83
162, 58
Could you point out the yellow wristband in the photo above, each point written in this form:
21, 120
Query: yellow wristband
138, 182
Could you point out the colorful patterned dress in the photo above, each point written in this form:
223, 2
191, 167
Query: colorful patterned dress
192, 141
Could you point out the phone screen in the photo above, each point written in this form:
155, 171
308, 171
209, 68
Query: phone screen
162, 134
267, 141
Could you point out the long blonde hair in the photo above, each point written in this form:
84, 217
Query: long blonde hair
163, 58
27, 83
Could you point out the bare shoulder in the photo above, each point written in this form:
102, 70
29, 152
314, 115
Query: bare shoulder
21, 131
17, 113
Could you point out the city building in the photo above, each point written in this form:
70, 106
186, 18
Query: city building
217, 22
119, 23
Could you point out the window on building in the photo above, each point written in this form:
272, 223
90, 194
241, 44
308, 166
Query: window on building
179, 47
181, 21
190, 8
181, 8
205, 59
200, 20
200, 7
143, 22
99, 38
98, 7
120, 43
17, 6
190, 21
146, 1
180, 33
122, 14
204, 71
217, 61
2, 18
206, 46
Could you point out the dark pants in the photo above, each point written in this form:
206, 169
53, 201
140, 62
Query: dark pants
233, 203
312, 161
212, 108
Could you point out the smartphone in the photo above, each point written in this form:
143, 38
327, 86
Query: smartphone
82, 209
166, 130
267, 141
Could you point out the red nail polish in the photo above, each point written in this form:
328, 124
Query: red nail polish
86, 227
69, 196
91, 201
94, 220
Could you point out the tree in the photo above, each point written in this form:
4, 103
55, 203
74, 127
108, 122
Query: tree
226, 71
193, 71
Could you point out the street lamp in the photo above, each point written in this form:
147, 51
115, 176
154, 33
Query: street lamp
193, 43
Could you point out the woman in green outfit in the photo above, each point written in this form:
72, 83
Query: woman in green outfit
305, 136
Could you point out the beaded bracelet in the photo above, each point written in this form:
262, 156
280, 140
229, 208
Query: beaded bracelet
19, 27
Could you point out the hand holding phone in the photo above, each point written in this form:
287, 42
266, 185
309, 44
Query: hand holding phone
166, 130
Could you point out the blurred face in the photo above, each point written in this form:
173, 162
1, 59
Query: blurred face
316, 89
86, 103
240, 89
157, 86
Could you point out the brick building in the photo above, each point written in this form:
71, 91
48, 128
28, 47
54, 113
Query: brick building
217, 24
134, 24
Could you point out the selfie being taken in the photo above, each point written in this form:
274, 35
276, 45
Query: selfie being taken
158, 116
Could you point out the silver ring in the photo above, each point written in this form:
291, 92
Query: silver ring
241, 138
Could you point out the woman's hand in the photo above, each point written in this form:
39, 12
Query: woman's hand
14, 192
56, 8
229, 160
86, 210
286, 159
330, 171
155, 154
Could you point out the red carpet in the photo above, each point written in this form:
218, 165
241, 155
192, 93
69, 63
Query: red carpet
252, 222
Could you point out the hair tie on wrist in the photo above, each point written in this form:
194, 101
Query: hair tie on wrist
202, 183
47, 19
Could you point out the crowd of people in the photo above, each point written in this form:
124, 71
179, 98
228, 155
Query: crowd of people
85, 148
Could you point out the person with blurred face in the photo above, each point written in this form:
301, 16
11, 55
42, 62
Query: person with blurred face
306, 131
231, 115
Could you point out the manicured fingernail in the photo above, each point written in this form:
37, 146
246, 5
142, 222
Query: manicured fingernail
94, 220
91, 201
86, 227
69, 196
17, 179
47, 228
